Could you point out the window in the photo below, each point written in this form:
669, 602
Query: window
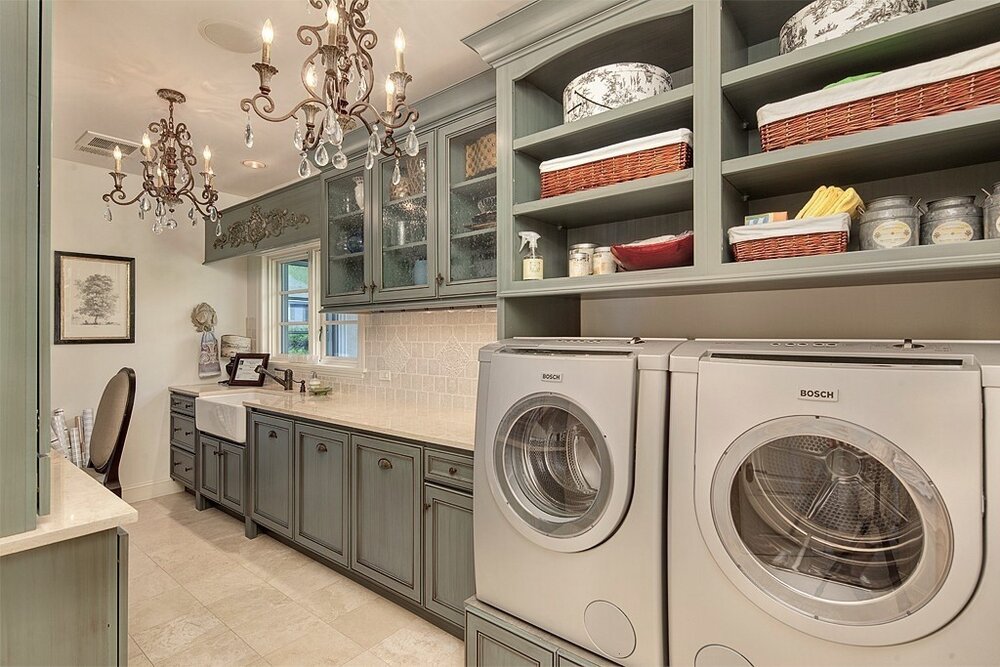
294, 328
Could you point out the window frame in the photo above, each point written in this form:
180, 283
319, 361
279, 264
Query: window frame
272, 315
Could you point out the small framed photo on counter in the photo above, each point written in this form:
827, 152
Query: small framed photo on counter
244, 372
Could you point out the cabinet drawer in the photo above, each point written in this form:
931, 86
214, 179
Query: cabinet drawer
182, 466
183, 404
489, 645
448, 469
182, 432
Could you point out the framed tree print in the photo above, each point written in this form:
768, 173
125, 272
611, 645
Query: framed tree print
95, 299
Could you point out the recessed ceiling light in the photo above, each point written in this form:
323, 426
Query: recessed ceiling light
230, 36
254, 164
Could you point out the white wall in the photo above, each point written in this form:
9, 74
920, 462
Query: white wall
170, 281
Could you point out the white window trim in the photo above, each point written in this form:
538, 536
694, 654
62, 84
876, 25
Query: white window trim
270, 308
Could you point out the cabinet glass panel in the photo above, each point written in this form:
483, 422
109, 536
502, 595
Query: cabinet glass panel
404, 223
472, 205
346, 229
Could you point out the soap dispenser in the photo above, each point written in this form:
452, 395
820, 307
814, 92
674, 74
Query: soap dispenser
532, 266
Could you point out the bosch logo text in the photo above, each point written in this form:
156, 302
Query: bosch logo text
551, 377
819, 394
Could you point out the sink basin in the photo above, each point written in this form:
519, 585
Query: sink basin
224, 415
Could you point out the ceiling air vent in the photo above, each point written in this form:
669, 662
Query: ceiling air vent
103, 145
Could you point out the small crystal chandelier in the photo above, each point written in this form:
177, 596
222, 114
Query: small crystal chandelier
346, 63
167, 174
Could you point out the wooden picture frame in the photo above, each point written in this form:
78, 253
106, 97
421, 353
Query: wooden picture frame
94, 299
243, 365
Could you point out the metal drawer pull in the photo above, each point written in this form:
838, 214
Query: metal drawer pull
385, 464
187, 433
272, 434
452, 470
321, 447
427, 506
187, 469
177, 429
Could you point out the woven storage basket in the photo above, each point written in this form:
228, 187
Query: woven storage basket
932, 99
618, 169
800, 245
481, 155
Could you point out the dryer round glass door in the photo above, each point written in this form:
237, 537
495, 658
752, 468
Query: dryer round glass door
552, 465
832, 520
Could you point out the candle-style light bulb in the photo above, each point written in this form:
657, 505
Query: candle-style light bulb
390, 94
117, 153
207, 154
332, 18
266, 37
400, 44
147, 146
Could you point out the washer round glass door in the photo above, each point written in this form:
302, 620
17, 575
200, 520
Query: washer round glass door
552, 465
832, 520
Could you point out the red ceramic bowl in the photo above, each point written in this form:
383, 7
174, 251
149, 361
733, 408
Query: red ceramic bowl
678, 251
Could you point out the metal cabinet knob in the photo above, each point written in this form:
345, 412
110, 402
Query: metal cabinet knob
187, 469
364, 288
452, 470
385, 464
374, 286
427, 506
321, 447
272, 434
440, 279
187, 433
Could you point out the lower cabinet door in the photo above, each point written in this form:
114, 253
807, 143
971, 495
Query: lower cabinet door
449, 575
385, 526
232, 471
271, 473
489, 645
209, 451
322, 491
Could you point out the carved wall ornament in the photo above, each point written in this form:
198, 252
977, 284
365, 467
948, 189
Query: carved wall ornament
259, 226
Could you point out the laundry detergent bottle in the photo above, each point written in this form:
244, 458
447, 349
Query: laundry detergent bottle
532, 266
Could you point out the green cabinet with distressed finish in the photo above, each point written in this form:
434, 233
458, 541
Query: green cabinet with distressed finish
385, 521
232, 475
322, 491
346, 239
449, 573
208, 478
271, 467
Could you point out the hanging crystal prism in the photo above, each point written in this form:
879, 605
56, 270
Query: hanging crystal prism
336, 134
329, 122
159, 209
192, 217
158, 227
213, 213
107, 213
304, 168
396, 176
171, 224
182, 177
339, 159
248, 133
297, 140
362, 88
218, 228
144, 203
369, 161
142, 214
412, 145
321, 156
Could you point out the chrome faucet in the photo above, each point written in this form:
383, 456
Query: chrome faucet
285, 379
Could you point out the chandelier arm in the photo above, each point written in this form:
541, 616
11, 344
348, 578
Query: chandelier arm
250, 103
118, 195
317, 4
311, 60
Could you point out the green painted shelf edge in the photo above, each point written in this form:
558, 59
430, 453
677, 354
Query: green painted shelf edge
350, 255
474, 233
669, 110
405, 246
665, 193
345, 216
473, 183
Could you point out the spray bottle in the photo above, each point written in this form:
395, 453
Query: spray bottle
531, 265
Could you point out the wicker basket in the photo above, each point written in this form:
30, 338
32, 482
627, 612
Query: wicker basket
481, 155
933, 99
618, 169
800, 245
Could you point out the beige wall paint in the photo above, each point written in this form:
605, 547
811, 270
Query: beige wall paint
170, 281
961, 310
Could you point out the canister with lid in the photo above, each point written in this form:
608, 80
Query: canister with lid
584, 266
951, 220
890, 222
604, 261
991, 213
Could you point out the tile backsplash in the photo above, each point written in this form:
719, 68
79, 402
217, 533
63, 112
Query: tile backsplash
432, 356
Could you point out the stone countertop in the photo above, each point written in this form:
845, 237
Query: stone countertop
446, 427
80, 506
215, 388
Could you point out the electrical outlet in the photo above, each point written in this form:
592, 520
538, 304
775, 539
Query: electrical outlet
385, 376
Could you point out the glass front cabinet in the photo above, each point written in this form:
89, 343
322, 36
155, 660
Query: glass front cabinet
427, 232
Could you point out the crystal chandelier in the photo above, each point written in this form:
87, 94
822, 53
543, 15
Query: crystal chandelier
167, 176
341, 49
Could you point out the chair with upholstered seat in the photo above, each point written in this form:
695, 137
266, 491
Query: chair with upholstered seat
107, 440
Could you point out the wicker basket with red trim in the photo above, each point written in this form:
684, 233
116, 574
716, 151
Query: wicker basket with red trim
932, 99
618, 169
801, 245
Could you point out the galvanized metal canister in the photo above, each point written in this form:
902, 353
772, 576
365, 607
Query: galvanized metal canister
991, 213
890, 222
951, 220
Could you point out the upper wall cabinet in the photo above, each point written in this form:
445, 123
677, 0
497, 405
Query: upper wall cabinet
347, 270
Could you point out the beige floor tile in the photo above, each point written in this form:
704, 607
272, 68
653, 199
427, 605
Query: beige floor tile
160, 609
138, 562
420, 645
263, 556
326, 647
373, 621
192, 560
246, 604
162, 641
139, 660
366, 659
337, 599
149, 585
133, 648
217, 584
277, 627
216, 649
176, 503
305, 579
217, 525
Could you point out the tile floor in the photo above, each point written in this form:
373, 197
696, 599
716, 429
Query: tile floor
200, 593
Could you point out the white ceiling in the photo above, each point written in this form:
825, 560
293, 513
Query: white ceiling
110, 57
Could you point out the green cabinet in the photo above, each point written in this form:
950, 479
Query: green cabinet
232, 476
271, 466
209, 451
346, 270
322, 491
385, 521
449, 573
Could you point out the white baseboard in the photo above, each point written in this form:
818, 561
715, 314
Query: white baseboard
133, 494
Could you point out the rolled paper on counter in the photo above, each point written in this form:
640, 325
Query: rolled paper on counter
87, 416
59, 426
74, 439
